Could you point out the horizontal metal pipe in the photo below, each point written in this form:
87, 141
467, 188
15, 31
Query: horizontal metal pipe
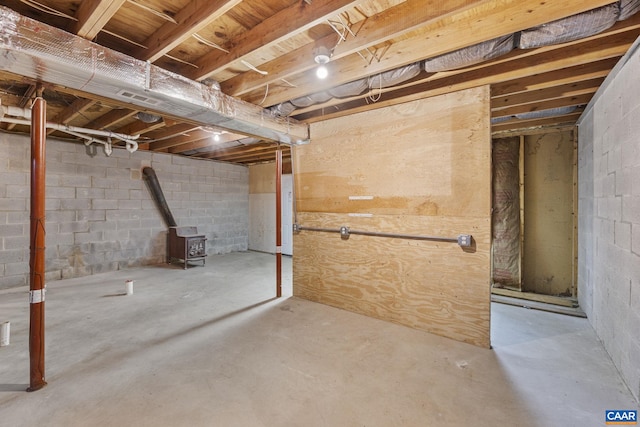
404, 236
378, 234
324, 230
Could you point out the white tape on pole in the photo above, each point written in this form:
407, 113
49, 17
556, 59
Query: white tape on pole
37, 296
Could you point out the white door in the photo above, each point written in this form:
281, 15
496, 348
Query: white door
287, 214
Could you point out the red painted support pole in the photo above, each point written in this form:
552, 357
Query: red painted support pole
279, 222
37, 250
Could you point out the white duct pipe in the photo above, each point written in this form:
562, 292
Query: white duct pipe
41, 52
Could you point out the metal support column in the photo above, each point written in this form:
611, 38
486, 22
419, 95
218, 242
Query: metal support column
279, 222
37, 249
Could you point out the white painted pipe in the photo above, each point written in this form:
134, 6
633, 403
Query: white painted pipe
26, 113
5, 331
130, 140
129, 287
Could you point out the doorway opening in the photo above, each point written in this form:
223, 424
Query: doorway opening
534, 221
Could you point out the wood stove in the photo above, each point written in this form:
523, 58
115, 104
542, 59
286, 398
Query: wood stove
184, 244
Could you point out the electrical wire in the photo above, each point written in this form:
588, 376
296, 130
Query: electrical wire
375, 98
208, 43
162, 15
251, 67
47, 9
266, 92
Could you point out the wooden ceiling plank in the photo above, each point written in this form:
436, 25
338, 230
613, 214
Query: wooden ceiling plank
93, 15
293, 20
193, 17
562, 91
577, 73
438, 37
393, 22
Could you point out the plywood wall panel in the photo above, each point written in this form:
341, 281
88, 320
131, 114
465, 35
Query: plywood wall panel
433, 286
419, 168
427, 150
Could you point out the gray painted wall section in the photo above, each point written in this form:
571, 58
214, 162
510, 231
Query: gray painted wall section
100, 215
609, 217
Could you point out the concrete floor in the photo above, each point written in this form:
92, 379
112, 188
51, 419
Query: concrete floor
212, 347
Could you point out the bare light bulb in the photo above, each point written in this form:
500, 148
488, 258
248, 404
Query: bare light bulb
322, 72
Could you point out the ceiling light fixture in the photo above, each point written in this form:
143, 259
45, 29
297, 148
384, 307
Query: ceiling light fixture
322, 72
322, 55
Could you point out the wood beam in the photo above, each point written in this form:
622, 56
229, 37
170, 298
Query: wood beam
293, 20
246, 154
237, 151
577, 73
172, 130
110, 118
437, 37
534, 62
377, 29
185, 138
207, 141
569, 120
93, 15
572, 101
264, 154
192, 18
76, 108
266, 157
562, 91
139, 128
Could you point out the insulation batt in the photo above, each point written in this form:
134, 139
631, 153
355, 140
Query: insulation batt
471, 55
572, 28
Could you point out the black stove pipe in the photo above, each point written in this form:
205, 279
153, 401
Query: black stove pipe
158, 196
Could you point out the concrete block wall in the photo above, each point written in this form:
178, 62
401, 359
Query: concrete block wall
100, 215
609, 217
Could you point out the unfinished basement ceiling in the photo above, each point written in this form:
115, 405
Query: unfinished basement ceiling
543, 69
